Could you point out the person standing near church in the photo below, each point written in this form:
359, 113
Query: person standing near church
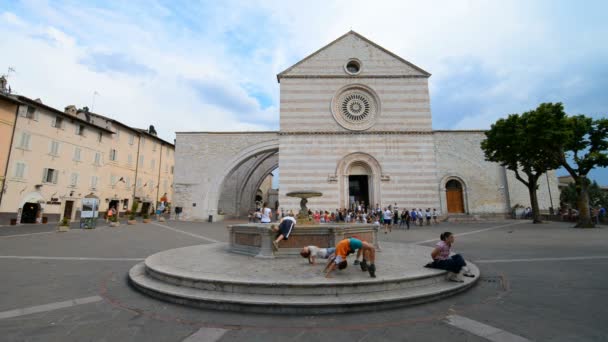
266, 214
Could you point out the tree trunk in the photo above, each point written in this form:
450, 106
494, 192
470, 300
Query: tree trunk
584, 216
534, 202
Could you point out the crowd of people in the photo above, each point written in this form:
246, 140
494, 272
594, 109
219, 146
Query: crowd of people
387, 217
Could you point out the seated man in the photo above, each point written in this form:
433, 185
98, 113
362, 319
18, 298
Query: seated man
312, 252
283, 230
350, 245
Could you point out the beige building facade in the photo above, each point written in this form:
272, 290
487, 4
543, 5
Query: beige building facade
59, 157
356, 125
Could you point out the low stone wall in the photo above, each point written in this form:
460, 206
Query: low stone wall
255, 239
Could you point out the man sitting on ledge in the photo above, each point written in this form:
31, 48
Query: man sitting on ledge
285, 227
350, 245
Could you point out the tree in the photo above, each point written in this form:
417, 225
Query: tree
597, 197
524, 144
587, 145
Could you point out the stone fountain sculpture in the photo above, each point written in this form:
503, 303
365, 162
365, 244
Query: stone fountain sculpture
303, 217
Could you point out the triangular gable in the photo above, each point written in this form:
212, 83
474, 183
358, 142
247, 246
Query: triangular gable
376, 61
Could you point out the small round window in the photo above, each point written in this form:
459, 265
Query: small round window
353, 67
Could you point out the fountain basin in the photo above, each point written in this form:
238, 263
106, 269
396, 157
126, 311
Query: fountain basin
255, 239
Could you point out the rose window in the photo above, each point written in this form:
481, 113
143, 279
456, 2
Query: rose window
355, 108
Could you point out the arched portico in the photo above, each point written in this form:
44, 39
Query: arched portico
234, 191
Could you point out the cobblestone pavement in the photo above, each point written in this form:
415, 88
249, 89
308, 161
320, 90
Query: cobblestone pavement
542, 282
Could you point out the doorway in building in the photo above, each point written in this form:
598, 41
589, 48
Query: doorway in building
29, 212
145, 208
67, 211
453, 191
358, 189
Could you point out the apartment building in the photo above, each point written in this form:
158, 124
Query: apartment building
58, 157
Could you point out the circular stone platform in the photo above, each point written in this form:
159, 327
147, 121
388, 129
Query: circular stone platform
209, 276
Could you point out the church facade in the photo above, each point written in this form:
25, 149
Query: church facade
356, 125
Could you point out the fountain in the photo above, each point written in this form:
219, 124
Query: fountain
246, 275
303, 216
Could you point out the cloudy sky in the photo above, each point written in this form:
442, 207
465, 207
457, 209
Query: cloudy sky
212, 65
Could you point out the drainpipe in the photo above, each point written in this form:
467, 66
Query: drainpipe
505, 183
136, 167
160, 163
10, 149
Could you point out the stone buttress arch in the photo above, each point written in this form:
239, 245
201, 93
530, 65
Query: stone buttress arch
211, 198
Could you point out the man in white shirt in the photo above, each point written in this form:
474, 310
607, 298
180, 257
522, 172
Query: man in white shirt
388, 220
283, 230
313, 252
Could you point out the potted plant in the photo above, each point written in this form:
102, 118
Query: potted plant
114, 221
146, 218
131, 220
64, 225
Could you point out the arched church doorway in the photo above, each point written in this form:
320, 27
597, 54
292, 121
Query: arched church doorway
454, 198
30, 212
358, 184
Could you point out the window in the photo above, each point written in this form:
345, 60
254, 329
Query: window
19, 170
151, 184
76, 154
130, 159
141, 160
80, 130
113, 154
143, 141
166, 168
54, 148
99, 136
171, 169
112, 180
94, 182
131, 139
128, 182
50, 176
153, 146
125, 204
117, 135
152, 163
98, 158
58, 122
74, 180
31, 112
24, 142
138, 183
165, 182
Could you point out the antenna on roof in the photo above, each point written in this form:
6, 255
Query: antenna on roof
95, 93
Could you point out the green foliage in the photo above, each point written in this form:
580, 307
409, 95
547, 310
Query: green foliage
597, 197
114, 218
586, 143
65, 222
526, 142
146, 216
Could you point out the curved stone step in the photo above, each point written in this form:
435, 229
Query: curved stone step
294, 304
209, 276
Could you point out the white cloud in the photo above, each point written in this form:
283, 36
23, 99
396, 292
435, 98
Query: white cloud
236, 49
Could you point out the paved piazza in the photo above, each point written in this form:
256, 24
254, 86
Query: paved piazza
539, 282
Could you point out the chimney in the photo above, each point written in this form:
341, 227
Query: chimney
71, 109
